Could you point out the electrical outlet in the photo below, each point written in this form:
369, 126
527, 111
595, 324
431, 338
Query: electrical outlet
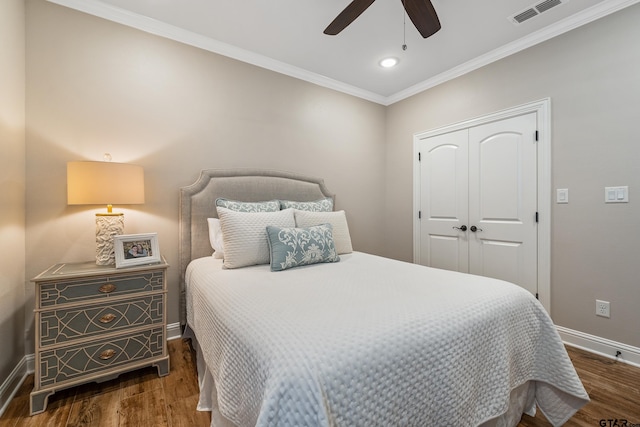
602, 308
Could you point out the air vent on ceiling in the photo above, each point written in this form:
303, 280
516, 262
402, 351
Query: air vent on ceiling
535, 10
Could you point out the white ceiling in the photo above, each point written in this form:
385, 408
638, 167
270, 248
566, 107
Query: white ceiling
287, 36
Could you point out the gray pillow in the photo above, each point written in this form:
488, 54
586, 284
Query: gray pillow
293, 247
322, 205
238, 206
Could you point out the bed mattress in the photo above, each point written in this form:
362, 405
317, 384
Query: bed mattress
371, 341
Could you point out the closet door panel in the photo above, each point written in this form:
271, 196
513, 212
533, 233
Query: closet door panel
503, 200
444, 201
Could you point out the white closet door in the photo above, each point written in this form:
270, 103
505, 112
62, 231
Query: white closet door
503, 200
478, 201
444, 201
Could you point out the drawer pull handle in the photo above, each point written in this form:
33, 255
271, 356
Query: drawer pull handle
107, 354
107, 288
107, 318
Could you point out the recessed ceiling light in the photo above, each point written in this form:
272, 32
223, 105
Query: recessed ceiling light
389, 62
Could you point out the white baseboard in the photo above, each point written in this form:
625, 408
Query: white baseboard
601, 346
10, 386
174, 331
31, 363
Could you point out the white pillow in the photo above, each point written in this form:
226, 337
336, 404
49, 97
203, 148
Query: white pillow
215, 237
244, 235
337, 219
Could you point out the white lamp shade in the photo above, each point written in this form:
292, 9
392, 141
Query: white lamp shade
104, 183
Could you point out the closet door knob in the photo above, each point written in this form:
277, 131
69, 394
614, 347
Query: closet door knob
474, 228
462, 228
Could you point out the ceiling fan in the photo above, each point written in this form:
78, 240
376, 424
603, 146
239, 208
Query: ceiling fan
421, 12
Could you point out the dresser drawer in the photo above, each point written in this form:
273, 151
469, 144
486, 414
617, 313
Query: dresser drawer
75, 361
93, 288
59, 326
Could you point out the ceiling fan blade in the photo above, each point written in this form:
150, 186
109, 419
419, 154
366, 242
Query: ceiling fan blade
347, 16
423, 16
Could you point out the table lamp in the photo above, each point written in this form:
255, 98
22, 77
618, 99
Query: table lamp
105, 183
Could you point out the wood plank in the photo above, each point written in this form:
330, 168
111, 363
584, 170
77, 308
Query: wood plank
19, 405
183, 413
57, 413
182, 381
144, 409
96, 405
140, 381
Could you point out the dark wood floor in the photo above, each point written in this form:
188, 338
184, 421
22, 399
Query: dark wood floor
135, 399
614, 389
142, 398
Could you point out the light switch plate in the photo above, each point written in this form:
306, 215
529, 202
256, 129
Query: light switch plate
562, 195
616, 194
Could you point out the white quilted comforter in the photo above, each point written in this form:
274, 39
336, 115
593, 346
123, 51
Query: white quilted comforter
370, 341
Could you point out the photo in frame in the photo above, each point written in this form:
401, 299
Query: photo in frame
136, 249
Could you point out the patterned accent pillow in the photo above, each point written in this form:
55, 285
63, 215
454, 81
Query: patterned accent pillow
238, 206
337, 219
322, 205
293, 247
244, 235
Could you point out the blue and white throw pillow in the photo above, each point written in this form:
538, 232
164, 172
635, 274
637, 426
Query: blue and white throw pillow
238, 206
322, 205
293, 247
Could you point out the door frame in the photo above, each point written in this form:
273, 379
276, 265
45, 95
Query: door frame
542, 108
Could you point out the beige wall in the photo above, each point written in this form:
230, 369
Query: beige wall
592, 75
12, 185
95, 86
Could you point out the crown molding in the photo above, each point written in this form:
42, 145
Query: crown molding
158, 28
586, 16
153, 26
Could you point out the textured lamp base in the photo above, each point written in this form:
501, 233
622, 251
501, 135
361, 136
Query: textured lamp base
107, 226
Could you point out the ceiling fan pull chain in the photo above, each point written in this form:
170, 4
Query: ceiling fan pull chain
404, 27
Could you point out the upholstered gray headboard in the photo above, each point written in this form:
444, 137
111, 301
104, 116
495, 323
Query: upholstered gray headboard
197, 203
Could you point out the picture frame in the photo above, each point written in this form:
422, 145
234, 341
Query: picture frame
136, 249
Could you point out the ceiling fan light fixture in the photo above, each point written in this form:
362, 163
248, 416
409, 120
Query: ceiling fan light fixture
388, 62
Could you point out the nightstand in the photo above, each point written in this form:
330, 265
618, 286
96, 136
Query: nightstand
95, 322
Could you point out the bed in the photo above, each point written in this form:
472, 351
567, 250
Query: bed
339, 337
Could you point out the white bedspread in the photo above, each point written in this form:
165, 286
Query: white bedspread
370, 341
